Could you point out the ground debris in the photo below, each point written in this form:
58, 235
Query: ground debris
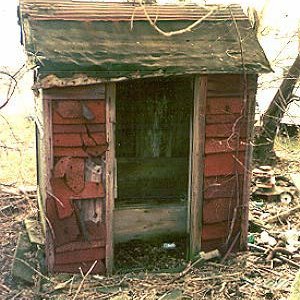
23, 262
248, 275
273, 186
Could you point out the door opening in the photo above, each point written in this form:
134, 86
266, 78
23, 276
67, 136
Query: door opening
152, 155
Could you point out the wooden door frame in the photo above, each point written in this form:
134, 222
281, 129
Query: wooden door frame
196, 182
110, 96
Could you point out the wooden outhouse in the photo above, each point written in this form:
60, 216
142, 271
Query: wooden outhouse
144, 121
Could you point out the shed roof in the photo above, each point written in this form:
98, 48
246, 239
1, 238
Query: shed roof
81, 10
116, 41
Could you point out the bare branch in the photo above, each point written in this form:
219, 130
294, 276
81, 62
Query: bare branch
12, 86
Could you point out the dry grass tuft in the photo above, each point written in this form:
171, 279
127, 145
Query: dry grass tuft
17, 151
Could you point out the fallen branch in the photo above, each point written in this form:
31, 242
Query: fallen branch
282, 258
203, 257
83, 279
231, 247
284, 214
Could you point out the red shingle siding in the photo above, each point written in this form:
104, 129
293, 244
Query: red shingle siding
78, 135
224, 162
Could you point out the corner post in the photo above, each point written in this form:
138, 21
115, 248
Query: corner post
250, 92
197, 164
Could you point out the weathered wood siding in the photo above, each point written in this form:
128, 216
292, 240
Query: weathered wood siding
75, 205
79, 161
224, 164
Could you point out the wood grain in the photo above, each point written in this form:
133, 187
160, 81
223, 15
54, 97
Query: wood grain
87, 92
110, 164
197, 176
143, 223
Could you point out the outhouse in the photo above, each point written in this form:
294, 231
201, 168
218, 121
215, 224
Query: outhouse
144, 116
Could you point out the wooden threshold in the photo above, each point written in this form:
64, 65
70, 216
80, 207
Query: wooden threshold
144, 222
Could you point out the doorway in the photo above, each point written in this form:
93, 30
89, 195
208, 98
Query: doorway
153, 118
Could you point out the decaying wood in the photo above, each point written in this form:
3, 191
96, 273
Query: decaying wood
145, 222
88, 91
44, 145
197, 170
110, 163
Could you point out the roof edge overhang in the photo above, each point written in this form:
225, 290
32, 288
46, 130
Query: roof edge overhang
68, 53
53, 81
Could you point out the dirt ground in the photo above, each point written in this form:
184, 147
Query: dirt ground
247, 275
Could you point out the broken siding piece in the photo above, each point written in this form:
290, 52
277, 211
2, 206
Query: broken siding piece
64, 195
97, 107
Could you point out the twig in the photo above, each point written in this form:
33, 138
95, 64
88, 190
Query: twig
282, 258
12, 86
55, 198
83, 279
209, 255
231, 247
237, 275
283, 214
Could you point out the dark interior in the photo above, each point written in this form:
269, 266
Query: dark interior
153, 140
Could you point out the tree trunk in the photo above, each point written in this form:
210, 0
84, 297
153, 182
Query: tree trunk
264, 141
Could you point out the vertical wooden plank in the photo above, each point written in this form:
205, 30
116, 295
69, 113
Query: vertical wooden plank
110, 163
46, 164
250, 92
44, 146
197, 174
188, 225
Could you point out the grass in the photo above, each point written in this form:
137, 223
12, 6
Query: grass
288, 154
288, 144
17, 151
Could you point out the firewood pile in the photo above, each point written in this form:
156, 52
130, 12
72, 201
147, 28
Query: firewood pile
266, 271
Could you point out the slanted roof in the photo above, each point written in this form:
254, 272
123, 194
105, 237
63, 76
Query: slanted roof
116, 41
